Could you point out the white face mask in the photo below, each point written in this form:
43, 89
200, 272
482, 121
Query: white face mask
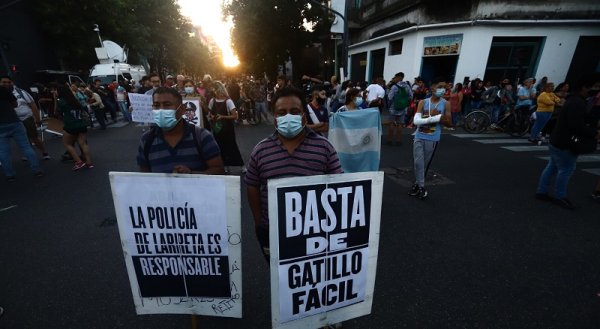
358, 101
189, 90
289, 125
165, 118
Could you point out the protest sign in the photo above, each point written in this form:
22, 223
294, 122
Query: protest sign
324, 237
142, 107
182, 242
193, 111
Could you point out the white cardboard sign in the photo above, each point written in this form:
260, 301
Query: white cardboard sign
324, 238
181, 238
193, 111
142, 107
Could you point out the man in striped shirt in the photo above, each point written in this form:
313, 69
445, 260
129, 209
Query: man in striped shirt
175, 146
293, 150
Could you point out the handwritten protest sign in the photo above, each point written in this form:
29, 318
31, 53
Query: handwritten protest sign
142, 107
193, 111
182, 241
324, 237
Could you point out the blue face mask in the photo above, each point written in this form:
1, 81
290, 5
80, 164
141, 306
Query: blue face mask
289, 125
439, 92
358, 101
165, 118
